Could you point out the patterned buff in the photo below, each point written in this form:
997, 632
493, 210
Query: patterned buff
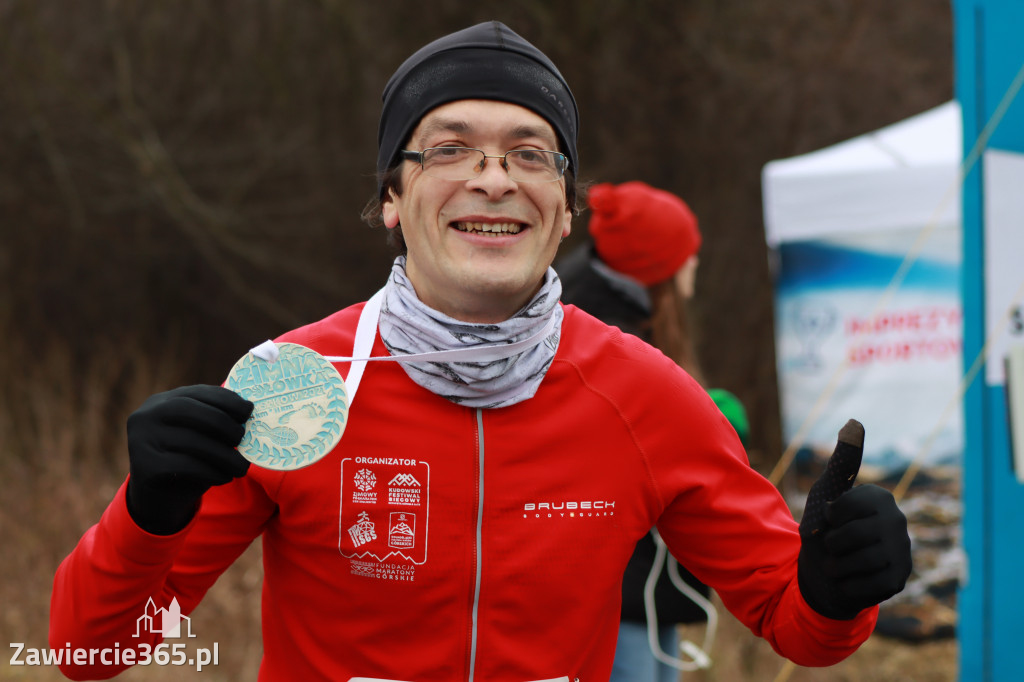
408, 326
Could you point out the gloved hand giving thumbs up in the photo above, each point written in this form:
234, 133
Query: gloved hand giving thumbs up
855, 550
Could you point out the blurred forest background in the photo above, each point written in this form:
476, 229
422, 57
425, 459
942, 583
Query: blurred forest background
180, 180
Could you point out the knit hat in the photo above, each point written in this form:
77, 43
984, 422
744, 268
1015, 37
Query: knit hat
486, 61
640, 231
733, 409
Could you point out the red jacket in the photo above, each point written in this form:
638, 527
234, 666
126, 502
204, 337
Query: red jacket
439, 543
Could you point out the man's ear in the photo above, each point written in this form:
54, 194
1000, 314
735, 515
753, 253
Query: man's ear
566, 223
389, 210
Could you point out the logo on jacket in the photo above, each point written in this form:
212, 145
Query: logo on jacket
383, 527
402, 534
405, 491
363, 531
365, 480
569, 509
404, 480
364, 483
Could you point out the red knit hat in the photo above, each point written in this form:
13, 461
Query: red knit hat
640, 231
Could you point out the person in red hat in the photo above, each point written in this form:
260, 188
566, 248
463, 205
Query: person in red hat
638, 272
639, 269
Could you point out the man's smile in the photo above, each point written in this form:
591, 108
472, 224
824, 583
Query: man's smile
494, 229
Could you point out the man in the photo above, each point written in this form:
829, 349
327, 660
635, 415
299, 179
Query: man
475, 519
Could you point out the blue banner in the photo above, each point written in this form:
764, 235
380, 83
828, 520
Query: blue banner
888, 356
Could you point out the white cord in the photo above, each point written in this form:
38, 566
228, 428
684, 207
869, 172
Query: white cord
699, 656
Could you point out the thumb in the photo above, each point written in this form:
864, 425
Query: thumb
838, 477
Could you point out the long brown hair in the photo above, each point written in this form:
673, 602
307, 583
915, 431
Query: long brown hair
670, 327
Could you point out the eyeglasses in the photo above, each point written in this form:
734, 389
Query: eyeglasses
465, 163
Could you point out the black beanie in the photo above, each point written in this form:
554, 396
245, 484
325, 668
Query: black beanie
486, 61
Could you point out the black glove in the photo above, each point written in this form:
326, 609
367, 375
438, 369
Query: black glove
179, 444
855, 550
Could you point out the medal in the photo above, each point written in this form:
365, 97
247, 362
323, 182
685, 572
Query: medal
301, 405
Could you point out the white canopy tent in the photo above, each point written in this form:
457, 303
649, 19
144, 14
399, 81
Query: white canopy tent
893, 178
840, 220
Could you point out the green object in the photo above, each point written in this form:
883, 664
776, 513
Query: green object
733, 410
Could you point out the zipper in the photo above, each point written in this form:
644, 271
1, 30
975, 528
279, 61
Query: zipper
475, 614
